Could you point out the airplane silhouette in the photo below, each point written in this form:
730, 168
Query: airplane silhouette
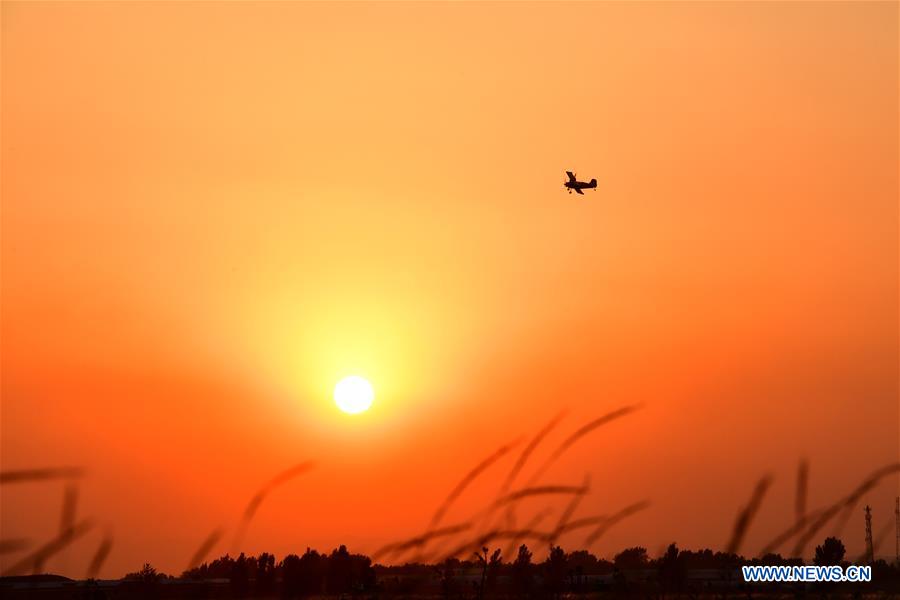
574, 184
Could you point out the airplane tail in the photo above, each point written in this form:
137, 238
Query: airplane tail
593, 183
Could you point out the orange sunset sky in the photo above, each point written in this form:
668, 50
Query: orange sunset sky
211, 212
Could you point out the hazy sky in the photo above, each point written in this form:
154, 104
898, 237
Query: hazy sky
213, 211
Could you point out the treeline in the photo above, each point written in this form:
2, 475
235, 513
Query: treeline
310, 574
488, 573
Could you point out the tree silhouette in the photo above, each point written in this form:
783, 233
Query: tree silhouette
522, 571
489, 567
581, 563
311, 569
831, 552
338, 574
345, 572
290, 576
240, 576
146, 581
495, 564
147, 574
265, 573
671, 569
631, 558
482, 559
555, 568
447, 575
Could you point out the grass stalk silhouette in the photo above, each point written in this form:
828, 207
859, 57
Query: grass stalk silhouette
35, 561
541, 490
100, 556
527, 451
260, 496
548, 537
69, 506
582, 523
32, 475
531, 526
396, 548
12, 545
745, 517
877, 542
577, 435
882, 536
205, 547
515, 497
505, 498
601, 521
795, 529
570, 509
813, 528
623, 514
467, 480
841, 519
850, 500
460, 487
517, 468
853, 499
802, 490
495, 534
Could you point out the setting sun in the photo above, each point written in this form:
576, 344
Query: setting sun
353, 394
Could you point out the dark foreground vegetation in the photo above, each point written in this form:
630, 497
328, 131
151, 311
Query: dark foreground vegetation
459, 561
631, 574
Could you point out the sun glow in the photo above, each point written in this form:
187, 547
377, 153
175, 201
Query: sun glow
353, 394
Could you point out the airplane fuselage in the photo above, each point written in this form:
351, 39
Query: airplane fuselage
581, 185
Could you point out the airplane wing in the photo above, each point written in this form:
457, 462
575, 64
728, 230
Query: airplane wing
571, 176
578, 190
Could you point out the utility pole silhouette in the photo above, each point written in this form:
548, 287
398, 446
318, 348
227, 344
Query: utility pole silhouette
870, 552
897, 520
